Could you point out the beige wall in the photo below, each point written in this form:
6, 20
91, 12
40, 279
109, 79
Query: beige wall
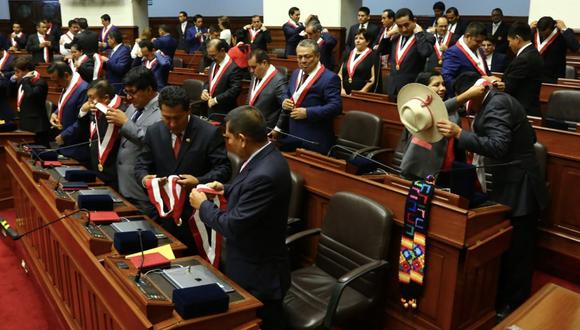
566, 10
122, 12
330, 12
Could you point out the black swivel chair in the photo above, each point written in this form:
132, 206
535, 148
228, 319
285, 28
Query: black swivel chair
193, 88
562, 110
347, 278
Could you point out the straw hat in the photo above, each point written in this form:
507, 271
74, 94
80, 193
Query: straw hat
420, 108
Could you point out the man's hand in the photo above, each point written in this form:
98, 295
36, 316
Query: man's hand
54, 121
59, 140
116, 117
561, 25
393, 32
196, 198
274, 135
342, 92
87, 106
500, 85
533, 25
147, 178
448, 129
263, 28
215, 185
211, 102
104, 59
247, 26
187, 181
204, 95
418, 28
298, 113
288, 104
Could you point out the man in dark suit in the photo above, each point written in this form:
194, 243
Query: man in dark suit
386, 32
6, 72
326, 43
17, 38
254, 223
213, 33
293, 31
257, 35
40, 45
64, 118
522, 78
409, 51
182, 144
31, 99
312, 102
119, 61
496, 62
363, 16
456, 24
503, 135
107, 28
553, 39
155, 61
498, 31
165, 43
267, 87
443, 40
52, 29
465, 55
181, 29
87, 39
223, 86
438, 11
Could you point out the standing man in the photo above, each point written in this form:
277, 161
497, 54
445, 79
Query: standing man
503, 135
409, 51
553, 39
498, 30
387, 30
496, 62
165, 43
267, 87
141, 91
443, 40
40, 45
87, 39
17, 38
52, 29
363, 16
465, 55
213, 33
6, 72
223, 86
326, 43
119, 61
107, 28
184, 145
182, 28
254, 223
456, 24
312, 102
438, 11
67, 38
257, 35
293, 31
155, 61
197, 35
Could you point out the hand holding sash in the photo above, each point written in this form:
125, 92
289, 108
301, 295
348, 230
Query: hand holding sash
288, 105
54, 121
298, 113
196, 198
204, 95
116, 117
187, 181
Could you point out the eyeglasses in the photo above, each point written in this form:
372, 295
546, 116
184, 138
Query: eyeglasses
130, 92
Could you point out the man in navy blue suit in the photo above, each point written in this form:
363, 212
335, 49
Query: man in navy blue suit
326, 43
254, 223
105, 31
6, 72
67, 112
293, 31
155, 61
165, 43
496, 62
119, 61
312, 104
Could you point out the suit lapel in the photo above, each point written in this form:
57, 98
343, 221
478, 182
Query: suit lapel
249, 167
188, 137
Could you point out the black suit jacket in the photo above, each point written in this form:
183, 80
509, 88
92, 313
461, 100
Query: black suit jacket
326, 57
227, 90
254, 225
499, 62
33, 116
181, 42
263, 38
502, 133
523, 79
500, 37
372, 29
202, 155
461, 26
555, 56
87, 40
269, 101
21, 42
86, 69
33, 47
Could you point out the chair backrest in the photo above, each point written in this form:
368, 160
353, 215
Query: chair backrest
541, 157
279, 52
360, 129
296, 195
356, 230
193, 89
283, 70
570, 72
48, 106
177, 62
564, 105
236, 163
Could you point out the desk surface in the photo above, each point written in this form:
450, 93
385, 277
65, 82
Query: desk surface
551, 308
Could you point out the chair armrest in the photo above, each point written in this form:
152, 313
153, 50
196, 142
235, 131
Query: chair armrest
292, 221
373, 153
366, 149
343, 282
302, 234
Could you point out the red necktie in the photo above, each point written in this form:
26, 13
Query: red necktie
215, 70
177, 145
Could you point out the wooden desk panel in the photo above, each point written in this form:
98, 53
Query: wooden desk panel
6, 198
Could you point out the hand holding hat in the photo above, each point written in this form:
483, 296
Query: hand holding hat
420, 109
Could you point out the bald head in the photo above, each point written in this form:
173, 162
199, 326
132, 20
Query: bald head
216, 50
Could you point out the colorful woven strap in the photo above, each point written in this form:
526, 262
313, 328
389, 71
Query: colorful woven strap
413, 241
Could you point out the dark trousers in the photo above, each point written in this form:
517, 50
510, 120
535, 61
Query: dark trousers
517, 266
272, 315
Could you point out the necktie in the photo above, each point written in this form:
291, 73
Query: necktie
440, 39
136, 115
215, 70
256, 83
177, 145
403, 41
304, 77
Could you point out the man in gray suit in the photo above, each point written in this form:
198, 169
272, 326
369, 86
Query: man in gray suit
141, 91
267, 87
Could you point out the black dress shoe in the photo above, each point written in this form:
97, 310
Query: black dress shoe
503, 312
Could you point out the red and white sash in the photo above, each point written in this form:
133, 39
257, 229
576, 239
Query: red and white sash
474, 58
20, 94
292, 23
69, 35
71, 64
257, 89
45, 50
542, 46
150, 64
48, 30
353, 62
170, 196
108, 141
105, 32
402, 51
98, 68
214, 80
300, 92
446, 41
320, 42
253, 34
209, 251
72, 87
13, 40
80, 61
4, 59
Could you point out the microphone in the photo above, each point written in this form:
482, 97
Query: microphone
358, 154
140, 270
294, 136
66, 147
471, 168
15, 236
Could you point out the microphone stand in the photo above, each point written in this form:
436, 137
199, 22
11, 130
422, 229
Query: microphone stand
140, 270
15, 236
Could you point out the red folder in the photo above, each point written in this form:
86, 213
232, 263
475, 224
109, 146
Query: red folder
155, 259
104, 216
54, 163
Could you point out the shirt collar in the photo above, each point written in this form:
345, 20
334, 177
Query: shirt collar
252, 156
116, 47
522, 49
224, 61
152, 103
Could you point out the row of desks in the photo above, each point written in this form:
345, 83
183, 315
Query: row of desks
84, 277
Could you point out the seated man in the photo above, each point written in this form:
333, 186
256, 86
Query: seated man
184, 145
155, 61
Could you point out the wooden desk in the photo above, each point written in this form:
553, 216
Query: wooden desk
551, 308
6, 198
464, 253
547, 89
189, 60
